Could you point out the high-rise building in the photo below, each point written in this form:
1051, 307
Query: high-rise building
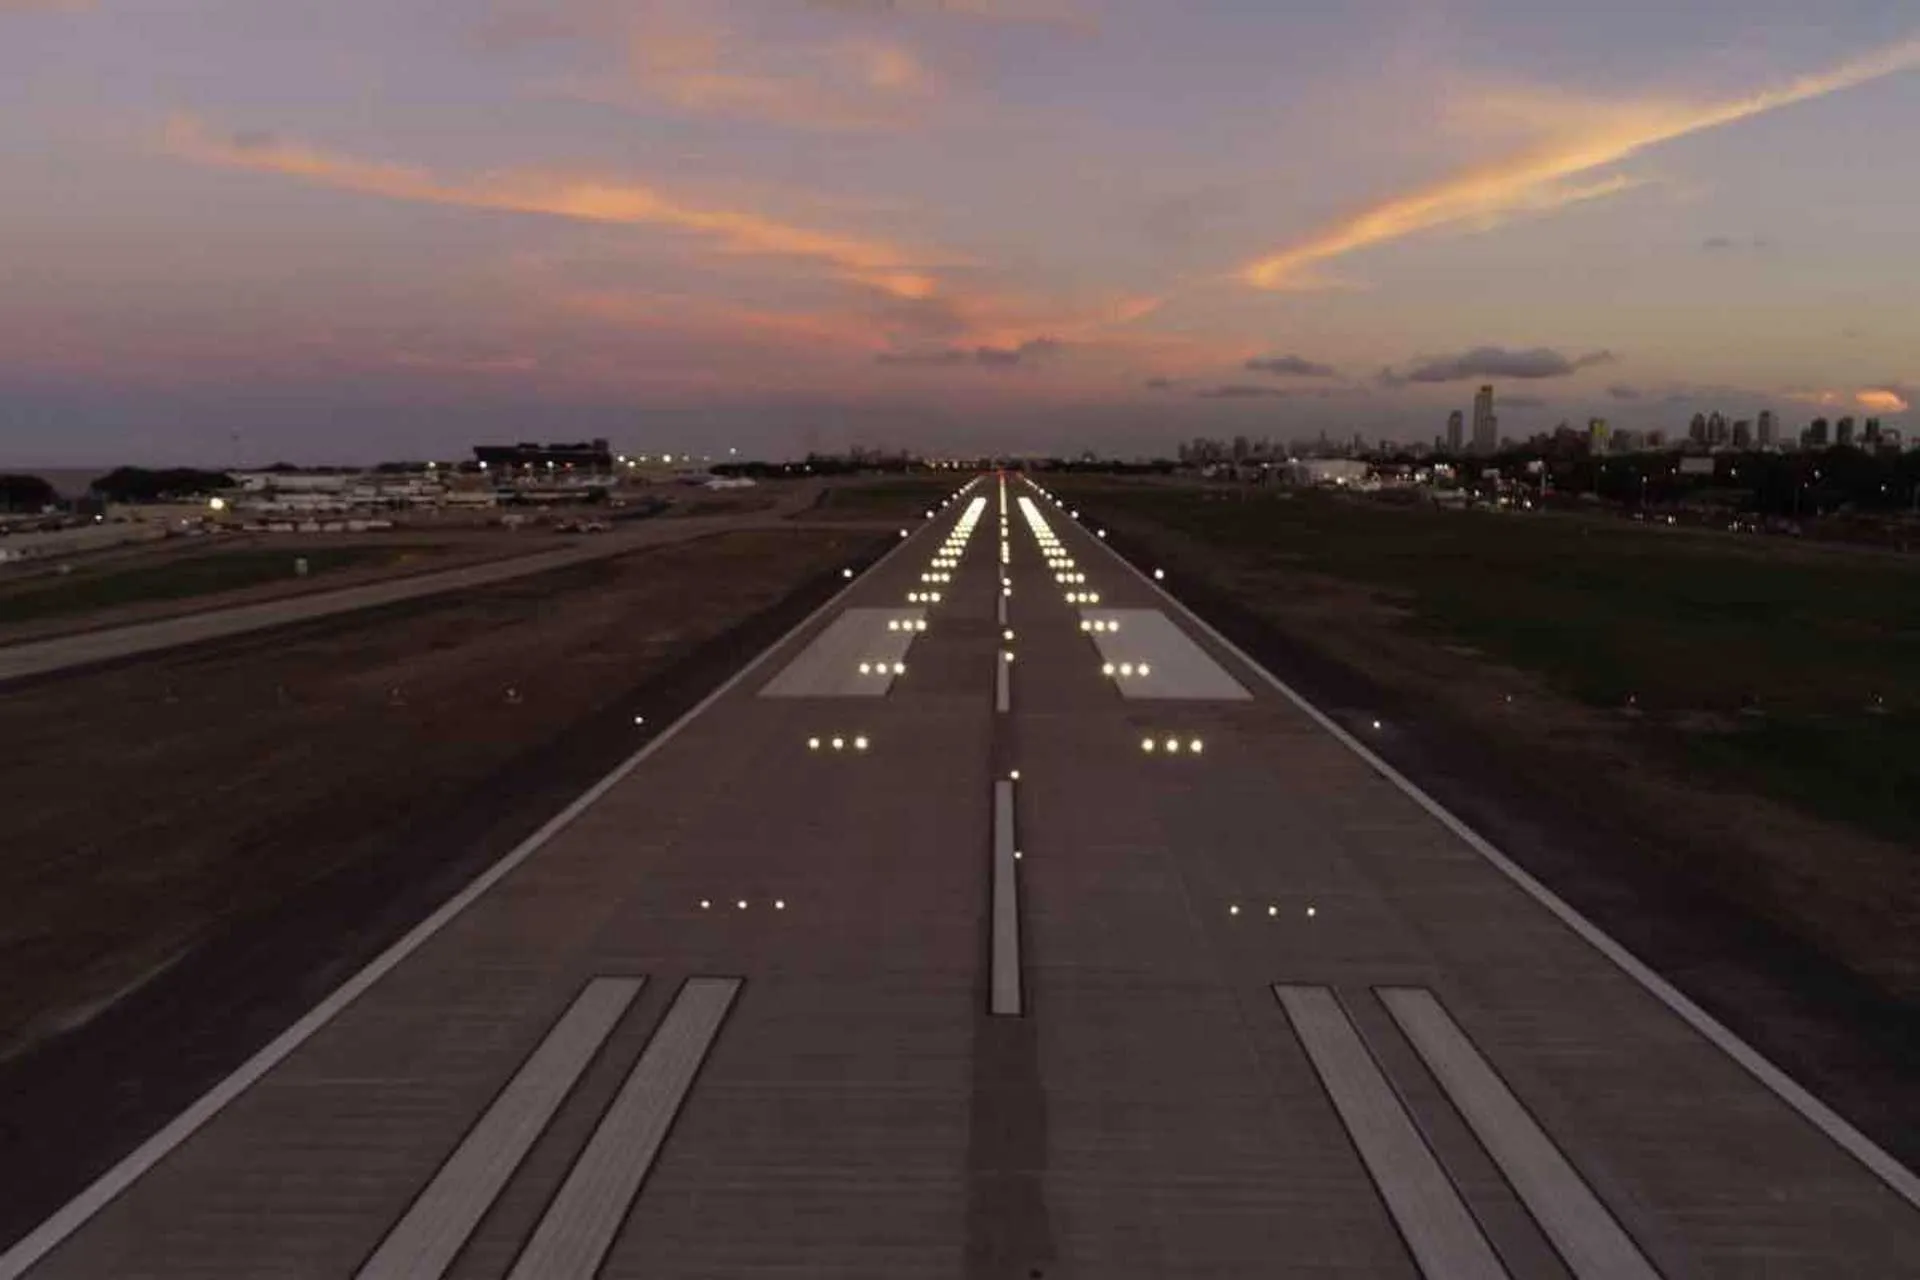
1599, 436
1816, 434
1742, 434
1456, 430
1486, 427
1870, 433
1843, 431
1766, 429
1717, 432
1697, 429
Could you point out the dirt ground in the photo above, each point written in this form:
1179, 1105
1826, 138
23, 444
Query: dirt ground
155, 802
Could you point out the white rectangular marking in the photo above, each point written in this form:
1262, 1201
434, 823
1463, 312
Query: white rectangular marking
1176, 666
1000, 608
1445, 1240
578, 1228
829, 667
1006, 906
433, 1231
1588, 1237
1003, 683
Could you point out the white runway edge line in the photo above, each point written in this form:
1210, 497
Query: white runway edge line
1005, 998
424, 1243
39, 1242
1862, 1148
577, 1229
1589, 1239
1439, 1230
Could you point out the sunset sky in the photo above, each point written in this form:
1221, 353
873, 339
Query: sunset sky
234, 232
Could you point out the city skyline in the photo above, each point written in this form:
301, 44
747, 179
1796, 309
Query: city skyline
1051, 224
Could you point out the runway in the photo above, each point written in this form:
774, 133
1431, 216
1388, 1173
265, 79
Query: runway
1068, 944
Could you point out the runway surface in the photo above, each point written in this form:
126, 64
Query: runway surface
1067, 945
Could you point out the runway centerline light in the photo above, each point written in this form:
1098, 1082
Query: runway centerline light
779, 904
1173, 744
1106, 668
899, 668
706, 904
846, 573
742, 904
1147, 744
860, 743
1194, 746
839, 744
813, 744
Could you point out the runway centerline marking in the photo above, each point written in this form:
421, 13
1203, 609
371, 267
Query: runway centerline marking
1006, 999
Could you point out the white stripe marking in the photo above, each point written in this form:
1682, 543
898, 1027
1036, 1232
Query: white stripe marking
37, 1243
1006, 906
425, 1241
1862, 1148
578, 1228
1002, 683
1445, 1240
1586, 1234
1000, 608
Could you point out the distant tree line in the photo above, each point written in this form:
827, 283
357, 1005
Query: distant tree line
139, 484
26, 493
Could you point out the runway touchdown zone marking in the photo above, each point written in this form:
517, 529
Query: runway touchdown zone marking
424, 1242
578, 1228
829, 667
1445, 1240
1589, 1239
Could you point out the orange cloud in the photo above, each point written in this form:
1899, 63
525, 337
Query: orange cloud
1541, 179
870, 262
1872, 399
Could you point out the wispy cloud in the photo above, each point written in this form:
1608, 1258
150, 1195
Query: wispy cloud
1051, 13
1494, 362
875, 263
1291, 366
465, 364
45, 6
1027, 353
1548, 176
1732, 244
1619, 391
1242, 391
852, 82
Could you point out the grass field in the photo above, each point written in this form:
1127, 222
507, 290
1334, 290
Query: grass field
1789, 671
183, 578
901, 499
